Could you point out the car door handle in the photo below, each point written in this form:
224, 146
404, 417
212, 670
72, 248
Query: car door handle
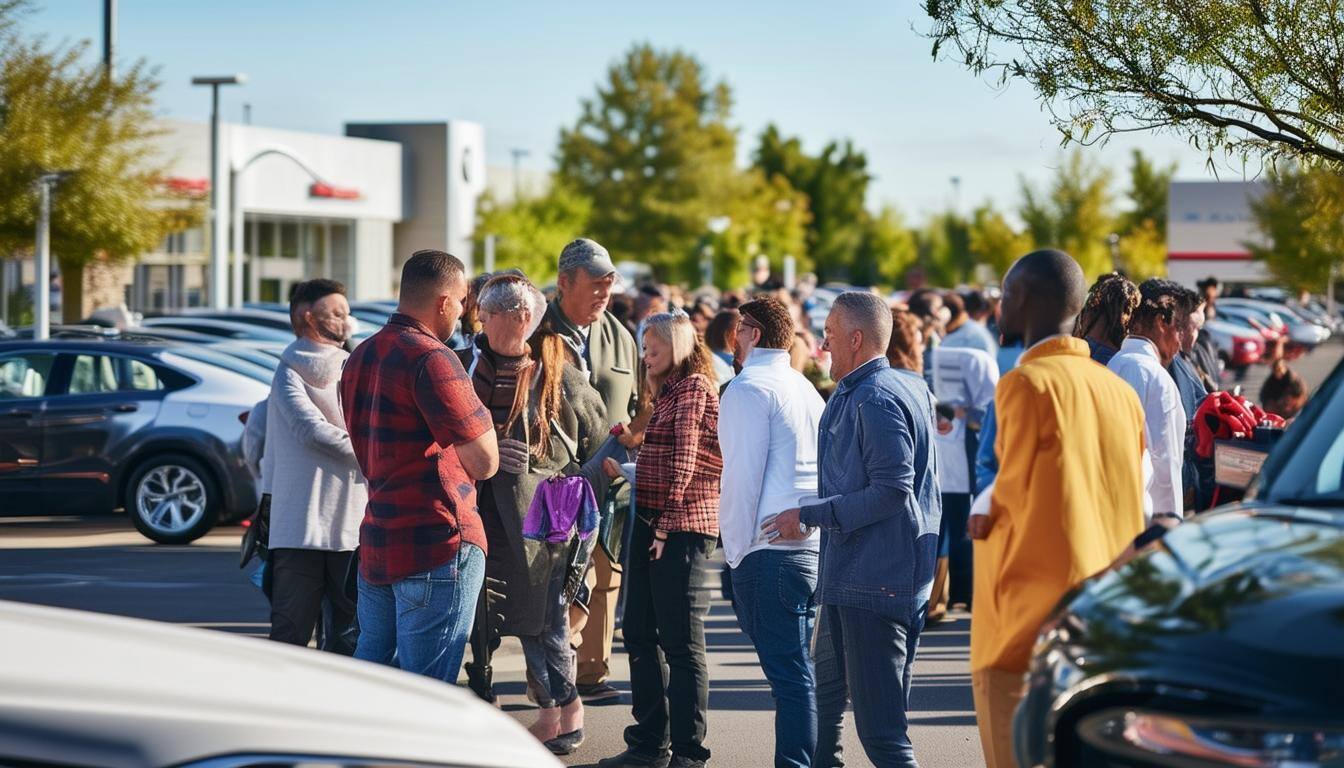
17, 414
123, 408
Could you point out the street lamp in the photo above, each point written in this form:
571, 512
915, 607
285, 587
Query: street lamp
518, 154
219, 289
42, 278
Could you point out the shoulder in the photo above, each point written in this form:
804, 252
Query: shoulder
617, 329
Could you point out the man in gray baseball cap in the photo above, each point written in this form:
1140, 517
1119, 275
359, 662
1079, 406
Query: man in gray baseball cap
603, 347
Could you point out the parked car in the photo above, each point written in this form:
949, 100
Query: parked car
222, 329
84, 689
1223, 643
1300, 329
89, 426
1239, 346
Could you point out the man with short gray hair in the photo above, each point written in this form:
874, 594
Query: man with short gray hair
603, 348
878, 512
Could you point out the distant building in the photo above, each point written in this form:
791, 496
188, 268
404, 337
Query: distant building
1208, 226
350, 207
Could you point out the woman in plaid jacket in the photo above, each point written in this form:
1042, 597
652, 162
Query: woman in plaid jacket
677, 497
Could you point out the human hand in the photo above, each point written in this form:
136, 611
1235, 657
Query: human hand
658, 544
612, 468
513, 456
786, 526
978, 526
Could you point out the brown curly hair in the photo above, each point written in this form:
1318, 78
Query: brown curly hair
1110, 305
906, 348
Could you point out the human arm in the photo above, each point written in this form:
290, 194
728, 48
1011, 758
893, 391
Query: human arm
688, 415
744, 438
1165, 421
886, 448
455, 415
986, 465
289, 401
254, 437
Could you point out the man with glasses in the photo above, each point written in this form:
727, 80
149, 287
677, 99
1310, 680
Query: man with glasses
768, 422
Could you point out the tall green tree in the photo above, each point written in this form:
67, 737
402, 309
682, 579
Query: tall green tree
994, 241
836, 184
530, 233
766, 217
1143, 228
58, 112
1074, 212
889, 250
1249, 77
1299, 216
654, 152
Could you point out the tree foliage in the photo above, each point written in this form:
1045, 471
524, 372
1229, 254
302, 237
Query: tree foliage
59, 113
1299, 216
889, 249
1143, 228
994, 241
835, 182
767, 217
530, 233
1073, 212
1248, 77
654, 152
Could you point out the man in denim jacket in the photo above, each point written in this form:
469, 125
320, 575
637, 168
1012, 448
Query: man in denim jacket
879, 518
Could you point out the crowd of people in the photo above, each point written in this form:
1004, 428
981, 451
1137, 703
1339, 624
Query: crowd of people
466, 474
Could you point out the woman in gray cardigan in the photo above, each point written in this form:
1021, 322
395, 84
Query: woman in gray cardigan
550, 420
317, 492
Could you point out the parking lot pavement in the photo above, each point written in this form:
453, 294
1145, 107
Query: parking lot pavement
103, 565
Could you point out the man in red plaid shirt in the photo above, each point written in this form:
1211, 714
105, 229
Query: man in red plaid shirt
422, 439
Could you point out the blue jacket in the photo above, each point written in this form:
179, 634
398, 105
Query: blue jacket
876, 457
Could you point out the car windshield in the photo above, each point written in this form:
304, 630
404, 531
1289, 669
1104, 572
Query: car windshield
1307, 468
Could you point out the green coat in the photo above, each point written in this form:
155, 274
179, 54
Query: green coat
612, 360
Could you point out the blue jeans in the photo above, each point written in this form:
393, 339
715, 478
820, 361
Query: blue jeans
773, 596
868, 658
549, 656
421, 623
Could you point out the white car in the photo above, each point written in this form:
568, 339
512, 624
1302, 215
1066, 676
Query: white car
84, 689
1300, 329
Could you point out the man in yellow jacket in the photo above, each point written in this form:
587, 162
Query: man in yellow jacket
1069, 494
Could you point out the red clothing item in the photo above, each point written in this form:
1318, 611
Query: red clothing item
679, 467
407, 401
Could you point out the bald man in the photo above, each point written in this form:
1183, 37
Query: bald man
1069, 494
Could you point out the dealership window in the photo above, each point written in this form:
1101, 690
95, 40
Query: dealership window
289, 240
268, 290
315, 249
265, 238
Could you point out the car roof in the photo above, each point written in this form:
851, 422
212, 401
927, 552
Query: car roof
142, 347
143, 694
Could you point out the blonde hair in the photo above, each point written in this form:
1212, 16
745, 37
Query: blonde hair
689, 354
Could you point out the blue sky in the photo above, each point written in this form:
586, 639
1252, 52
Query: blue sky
857, 70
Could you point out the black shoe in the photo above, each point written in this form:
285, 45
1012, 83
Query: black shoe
632, 759
597, 692
565, 743
682, 761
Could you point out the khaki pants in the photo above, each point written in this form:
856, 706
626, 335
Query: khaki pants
997, 694
591, 632
937, 610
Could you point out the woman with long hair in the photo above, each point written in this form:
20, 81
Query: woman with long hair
549, 421
1104, 320
677, 502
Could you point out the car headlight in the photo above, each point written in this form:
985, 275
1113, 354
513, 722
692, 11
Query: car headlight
1199, 741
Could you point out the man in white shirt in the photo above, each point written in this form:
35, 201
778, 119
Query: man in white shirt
1154, 339
768, 427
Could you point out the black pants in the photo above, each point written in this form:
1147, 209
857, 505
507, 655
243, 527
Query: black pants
664, 628
301, 579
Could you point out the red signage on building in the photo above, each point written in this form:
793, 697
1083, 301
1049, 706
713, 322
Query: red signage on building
322, 189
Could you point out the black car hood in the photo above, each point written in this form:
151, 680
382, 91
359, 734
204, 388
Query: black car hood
1246, 600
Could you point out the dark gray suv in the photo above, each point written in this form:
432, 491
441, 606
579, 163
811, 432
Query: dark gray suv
90, 426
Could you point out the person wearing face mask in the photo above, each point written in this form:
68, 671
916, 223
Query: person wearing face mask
317, 491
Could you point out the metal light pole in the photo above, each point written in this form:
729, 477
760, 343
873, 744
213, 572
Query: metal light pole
109, 35
518, 154
42, 276
219, 277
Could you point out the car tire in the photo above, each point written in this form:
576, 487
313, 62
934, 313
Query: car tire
173, 499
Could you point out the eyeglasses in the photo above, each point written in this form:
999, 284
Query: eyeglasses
748, 324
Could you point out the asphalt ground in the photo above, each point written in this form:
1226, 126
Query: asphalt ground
101, 564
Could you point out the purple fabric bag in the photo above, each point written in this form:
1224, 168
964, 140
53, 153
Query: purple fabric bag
559, 505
